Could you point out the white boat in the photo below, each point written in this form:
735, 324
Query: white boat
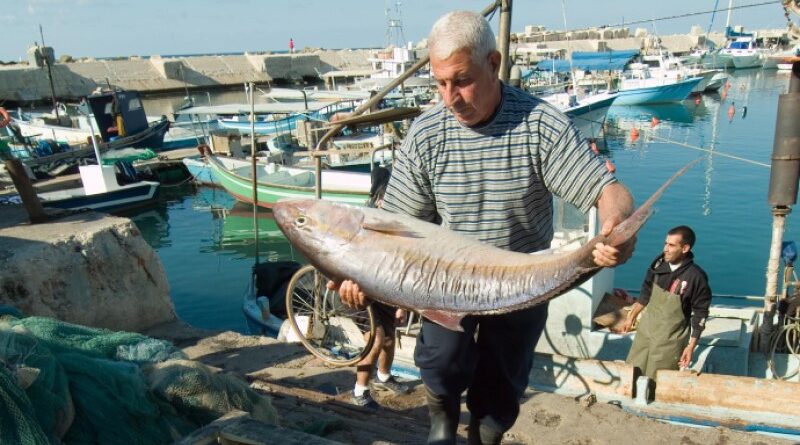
744, 53
778, 59
664, 65
101, 191
588, 112
118, 118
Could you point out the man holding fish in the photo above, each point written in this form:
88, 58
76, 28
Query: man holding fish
485, 163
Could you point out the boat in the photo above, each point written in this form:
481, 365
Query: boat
744, 53
276, 181
638, 86
272, 118
779, 59
101, 191
662, 64
118, 118
587, 112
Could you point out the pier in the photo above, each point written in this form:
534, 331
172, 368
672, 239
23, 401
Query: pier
156, 74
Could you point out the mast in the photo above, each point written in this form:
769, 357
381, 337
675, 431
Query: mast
728, 20
46, 60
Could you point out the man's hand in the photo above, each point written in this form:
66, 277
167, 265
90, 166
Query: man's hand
400, 317
686, 355
350, 293
627, 326
614, 205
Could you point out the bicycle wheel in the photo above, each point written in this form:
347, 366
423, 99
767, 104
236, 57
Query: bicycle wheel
337, 334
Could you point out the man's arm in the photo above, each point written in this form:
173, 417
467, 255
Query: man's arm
701, 300
613, 206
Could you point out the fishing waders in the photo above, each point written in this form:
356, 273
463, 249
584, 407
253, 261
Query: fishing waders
444, 412
662, 335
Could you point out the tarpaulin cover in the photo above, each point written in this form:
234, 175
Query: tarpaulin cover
590, 61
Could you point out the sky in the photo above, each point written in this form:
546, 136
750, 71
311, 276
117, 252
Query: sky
108, 28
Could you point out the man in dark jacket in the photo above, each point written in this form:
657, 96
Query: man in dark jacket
677, 296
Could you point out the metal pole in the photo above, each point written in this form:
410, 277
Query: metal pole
49, 75
253, 171
782, 194
391, 85
505, 39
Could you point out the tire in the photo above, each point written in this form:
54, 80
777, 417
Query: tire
335, 333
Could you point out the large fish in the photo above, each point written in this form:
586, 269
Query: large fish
413, 264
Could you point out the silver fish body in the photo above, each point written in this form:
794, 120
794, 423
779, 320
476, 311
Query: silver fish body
409, 263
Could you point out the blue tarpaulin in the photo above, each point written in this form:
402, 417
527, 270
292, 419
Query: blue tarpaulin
590, 61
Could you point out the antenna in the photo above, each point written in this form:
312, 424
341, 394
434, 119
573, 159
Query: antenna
394, 25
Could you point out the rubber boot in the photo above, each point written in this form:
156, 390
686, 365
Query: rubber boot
483, 434
444, 412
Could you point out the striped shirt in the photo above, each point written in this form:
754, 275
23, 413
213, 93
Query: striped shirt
496, 182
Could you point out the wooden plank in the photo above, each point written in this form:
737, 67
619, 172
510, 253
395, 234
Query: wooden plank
210, 433
724, 391
253, 432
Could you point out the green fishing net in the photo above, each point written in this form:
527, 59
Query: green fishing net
65, 383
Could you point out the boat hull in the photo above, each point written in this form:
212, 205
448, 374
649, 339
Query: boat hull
590, 117
674, 92
346, 187
126, 196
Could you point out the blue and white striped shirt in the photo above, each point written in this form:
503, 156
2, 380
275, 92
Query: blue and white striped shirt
495, 182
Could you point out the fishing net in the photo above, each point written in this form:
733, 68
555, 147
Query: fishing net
64, 383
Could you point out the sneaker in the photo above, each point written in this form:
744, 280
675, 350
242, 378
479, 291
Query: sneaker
365, 400
391, 385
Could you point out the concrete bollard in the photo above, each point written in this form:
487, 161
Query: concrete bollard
643, 395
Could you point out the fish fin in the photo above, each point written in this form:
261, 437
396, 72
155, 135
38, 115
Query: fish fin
450, 320
389, 228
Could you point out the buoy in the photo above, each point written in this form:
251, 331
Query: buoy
593, 146
697, 100
731, 112
610, 166
727, 85
724, 94
634, 134
654, 121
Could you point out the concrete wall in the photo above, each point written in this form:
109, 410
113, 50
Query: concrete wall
90, 269
21, 83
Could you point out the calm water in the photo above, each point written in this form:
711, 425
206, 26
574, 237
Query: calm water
205, 240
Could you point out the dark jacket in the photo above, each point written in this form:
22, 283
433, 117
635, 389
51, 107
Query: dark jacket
695, 294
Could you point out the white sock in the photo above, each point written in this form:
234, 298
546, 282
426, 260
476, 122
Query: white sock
359, 390
383, 377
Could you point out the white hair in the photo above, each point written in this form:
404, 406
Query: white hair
460, 30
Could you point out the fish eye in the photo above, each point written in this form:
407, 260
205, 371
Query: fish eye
301, 221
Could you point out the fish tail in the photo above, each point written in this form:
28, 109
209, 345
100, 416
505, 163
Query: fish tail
628, 228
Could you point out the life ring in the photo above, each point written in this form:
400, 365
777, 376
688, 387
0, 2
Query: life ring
6, 118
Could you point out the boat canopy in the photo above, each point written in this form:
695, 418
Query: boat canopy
590, 61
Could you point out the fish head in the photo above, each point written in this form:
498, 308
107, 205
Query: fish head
317, 226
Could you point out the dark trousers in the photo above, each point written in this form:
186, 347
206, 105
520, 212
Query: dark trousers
493, 366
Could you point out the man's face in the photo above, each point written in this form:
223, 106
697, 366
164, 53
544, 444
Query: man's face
469, 90
674, 249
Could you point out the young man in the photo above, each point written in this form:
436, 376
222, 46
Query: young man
382, 352
486, 162
676, 294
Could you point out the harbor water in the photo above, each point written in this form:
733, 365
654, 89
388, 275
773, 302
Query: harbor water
206, 244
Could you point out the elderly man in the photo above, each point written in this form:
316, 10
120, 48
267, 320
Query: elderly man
486, 162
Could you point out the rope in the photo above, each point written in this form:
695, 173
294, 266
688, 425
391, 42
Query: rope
690, 14
712, 152
790, 333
